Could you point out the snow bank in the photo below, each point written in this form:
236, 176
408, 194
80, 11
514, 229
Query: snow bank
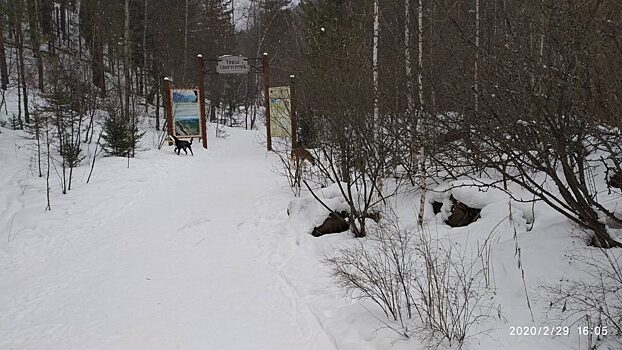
305, 213
495, 203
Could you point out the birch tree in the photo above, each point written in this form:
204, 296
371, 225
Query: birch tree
144, 67
375, 62
419, 123
475, 68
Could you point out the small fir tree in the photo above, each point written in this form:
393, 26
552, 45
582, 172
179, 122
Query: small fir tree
120, 137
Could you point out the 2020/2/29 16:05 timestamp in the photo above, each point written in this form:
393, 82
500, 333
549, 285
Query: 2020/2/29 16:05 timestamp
556, 330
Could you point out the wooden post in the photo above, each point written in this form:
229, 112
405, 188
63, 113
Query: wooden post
202, 99
266, 91
169, 108
292, 107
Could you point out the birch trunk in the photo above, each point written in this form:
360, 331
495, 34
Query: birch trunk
420, 60
419, 126
541, 49
476, 68
377, 122
375, 62
143, 75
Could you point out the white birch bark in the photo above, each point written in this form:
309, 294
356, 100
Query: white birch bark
375, 73
420, 60
476, 68
375, 62
541, 49
422, 175
144, 75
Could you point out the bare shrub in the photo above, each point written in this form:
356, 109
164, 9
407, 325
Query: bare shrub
452, 290
379, 269
594, 300
423, 284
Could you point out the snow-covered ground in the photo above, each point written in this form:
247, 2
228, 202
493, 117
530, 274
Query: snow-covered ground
169, 254
183, 252
174, 252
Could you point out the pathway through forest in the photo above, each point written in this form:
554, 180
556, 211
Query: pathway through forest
169, 254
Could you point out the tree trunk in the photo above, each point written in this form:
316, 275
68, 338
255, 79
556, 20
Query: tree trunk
601, 237
97, 63
79, 24
57, 21
63, 18
38, 138
476, 72
35, 39
46, 11
407, 58
419, 126
97, 54
144, 69
185, 43
420, 60
157, 104
48, 161
19, 92
19, 37
375, 63
4, 72
126, 61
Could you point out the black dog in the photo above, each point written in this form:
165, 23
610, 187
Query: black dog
182, 144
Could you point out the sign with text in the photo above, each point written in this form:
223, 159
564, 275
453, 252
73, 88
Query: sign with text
232, 65
186, 112
280, 112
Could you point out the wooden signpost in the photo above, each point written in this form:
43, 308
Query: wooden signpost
201, 63
168, 100
228, 64
266, 92
292, 103
183, 105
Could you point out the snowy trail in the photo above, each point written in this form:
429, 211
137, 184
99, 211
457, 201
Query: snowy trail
171, 259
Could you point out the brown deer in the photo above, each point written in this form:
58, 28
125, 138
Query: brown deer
299, 155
